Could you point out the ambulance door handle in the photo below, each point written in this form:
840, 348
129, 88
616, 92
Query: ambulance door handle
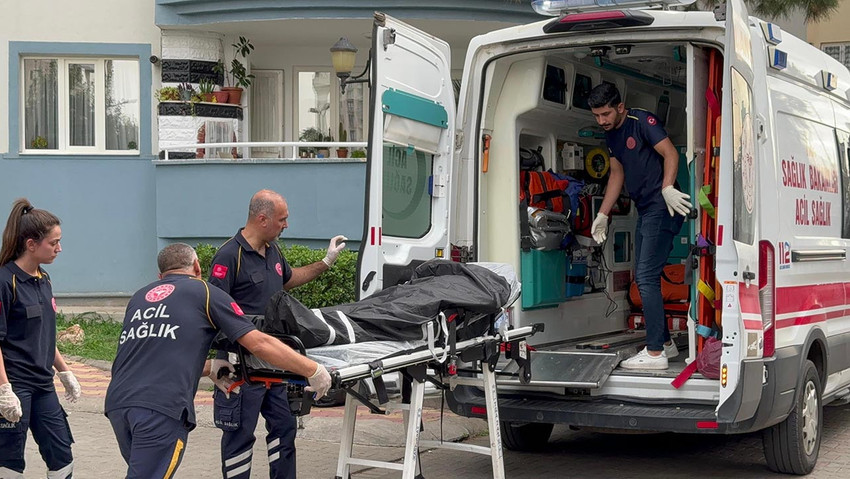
761, 134
749, 276
368, 280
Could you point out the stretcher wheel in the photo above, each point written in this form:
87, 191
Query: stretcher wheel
525, 436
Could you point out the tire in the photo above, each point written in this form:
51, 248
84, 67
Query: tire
791, 447
531, 436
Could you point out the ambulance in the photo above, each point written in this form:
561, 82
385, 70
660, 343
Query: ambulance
762, 123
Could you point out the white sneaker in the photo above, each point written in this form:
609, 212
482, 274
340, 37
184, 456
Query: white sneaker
643, 360
671, 350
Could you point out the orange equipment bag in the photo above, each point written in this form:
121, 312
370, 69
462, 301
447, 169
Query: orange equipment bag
543, 190
673, 287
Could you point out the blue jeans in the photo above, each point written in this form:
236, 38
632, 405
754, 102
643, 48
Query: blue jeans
653, 243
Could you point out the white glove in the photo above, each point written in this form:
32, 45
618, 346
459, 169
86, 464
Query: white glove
677, 202
226, 380
10, 405
72, 387
599, 229
334, 248
320, 382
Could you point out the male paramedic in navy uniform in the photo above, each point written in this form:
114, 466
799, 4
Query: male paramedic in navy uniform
168, 329
644, 157
251, 268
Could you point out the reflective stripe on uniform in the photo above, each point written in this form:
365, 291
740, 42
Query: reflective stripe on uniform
238, 458
7, 473
64, 473
175, 459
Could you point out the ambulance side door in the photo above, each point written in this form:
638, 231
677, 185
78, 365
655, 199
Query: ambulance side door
410, 154
737, 235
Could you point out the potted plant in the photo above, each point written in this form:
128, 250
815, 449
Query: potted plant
325, 151
221, 96
185, 91
310, 134
39, 143
205, 90
358, 154
236, 76
167, 93
342, 152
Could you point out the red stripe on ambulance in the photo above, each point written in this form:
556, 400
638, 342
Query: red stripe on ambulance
749, 298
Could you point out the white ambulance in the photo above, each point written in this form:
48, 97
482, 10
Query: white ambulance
762, 121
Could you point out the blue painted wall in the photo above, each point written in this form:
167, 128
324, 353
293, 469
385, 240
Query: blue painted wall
195, 12
202, 202
117, 213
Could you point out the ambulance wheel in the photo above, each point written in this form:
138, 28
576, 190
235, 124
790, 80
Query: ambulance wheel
791, 447
525, 436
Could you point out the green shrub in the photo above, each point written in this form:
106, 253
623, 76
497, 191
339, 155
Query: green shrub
335, 286
205, 255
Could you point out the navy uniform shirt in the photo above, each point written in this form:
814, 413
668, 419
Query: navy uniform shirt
27, 327
633, 145
250, 278
168, 328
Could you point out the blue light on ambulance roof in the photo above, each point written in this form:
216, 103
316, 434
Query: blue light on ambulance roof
778, 58
830, 81
772, 33
554, 8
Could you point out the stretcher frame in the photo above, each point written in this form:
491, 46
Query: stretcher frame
484, 349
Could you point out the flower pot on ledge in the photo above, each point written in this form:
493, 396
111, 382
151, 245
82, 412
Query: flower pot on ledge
234, 94
342, 152
221, 96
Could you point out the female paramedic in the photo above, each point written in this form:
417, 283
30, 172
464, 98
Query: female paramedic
28, 351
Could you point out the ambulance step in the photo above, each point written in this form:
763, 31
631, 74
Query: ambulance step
610, 342
570, 369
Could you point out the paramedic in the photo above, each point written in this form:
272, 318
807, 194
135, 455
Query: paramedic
251, 268
168, 328
28, 352
645, 159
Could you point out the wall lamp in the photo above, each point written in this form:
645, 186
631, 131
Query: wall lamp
343, 55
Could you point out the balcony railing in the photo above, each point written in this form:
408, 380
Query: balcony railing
285, 150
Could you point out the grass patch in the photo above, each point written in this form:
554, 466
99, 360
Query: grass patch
101, 336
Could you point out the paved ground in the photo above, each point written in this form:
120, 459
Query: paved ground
569, 454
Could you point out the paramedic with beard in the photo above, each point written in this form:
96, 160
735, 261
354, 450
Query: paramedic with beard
168, 328
645, 159
251, 268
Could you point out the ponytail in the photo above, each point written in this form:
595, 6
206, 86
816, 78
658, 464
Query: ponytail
25, 222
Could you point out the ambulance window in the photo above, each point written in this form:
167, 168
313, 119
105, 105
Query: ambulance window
743, 160
844, 155
581, 91
555, 85
406, 192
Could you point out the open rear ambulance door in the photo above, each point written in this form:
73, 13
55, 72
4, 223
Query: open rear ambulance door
737, 246
410, 152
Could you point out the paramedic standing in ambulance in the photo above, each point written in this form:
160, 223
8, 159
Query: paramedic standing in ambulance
168, 329
251, 268
645, 159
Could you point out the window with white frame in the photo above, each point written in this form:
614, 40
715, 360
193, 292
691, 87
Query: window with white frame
839, 51
323, 113
80, 105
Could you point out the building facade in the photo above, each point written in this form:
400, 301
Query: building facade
85, 124
833, 35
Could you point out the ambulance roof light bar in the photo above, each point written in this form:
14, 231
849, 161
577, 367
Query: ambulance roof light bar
554, 8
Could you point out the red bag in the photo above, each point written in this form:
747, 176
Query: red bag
543, 190
673, 287
708, 360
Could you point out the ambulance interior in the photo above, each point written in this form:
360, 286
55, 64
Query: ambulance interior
535, 103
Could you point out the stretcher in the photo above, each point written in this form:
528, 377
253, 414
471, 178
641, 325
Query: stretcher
453, 359
412, 359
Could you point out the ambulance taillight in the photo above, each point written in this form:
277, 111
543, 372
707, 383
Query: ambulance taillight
767, 295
